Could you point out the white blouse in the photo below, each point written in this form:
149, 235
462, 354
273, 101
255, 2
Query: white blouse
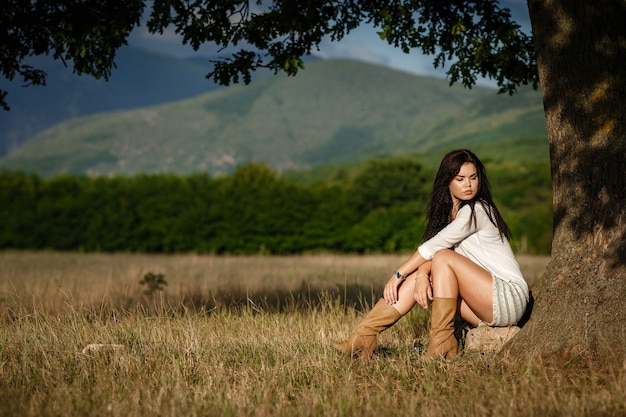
481, 243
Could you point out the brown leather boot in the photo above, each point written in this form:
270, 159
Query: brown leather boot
362, 341
442, 341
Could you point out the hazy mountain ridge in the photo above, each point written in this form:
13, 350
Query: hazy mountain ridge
141, 78
332, 112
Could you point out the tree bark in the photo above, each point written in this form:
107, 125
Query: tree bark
580, 303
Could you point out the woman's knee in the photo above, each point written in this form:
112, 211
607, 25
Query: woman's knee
442, 258
442, 275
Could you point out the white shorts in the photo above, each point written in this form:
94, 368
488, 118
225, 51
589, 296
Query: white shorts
509, 303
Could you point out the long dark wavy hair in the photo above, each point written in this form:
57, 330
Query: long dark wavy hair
440, 206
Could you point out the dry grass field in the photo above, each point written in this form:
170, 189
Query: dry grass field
192, 335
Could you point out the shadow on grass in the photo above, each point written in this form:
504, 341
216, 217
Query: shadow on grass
304, 299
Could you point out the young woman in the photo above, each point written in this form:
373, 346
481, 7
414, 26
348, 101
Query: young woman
465, 265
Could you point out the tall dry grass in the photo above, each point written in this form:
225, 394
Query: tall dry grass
246, 336
51, 281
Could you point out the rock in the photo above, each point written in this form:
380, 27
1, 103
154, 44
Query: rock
489, 339
102, 347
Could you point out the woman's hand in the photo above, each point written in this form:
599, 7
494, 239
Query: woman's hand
391, 290
423, 290
415, 262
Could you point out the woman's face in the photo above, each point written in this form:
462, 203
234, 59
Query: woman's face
465, 185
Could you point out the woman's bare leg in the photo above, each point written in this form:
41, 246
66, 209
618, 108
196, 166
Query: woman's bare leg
468, 315
454, 275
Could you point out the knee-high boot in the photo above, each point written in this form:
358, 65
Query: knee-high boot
362, 341
442, 342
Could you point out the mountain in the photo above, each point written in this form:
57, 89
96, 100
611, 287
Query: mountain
141, 79
332, 112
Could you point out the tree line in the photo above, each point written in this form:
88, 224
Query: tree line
255, 210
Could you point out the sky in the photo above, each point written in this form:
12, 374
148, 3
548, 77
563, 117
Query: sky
362, 44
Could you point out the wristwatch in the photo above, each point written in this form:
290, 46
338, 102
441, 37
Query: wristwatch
399, 275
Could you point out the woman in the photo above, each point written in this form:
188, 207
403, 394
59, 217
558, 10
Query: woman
465, 265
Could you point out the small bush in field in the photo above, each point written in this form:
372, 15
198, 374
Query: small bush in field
153, 283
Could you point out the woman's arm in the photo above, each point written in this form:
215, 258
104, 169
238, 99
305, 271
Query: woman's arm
456, 231
459, 229
423, 288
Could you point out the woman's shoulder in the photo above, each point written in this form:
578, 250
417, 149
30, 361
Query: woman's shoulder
483, 206
479, 206
481, 209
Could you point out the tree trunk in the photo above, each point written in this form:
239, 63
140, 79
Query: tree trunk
580, 303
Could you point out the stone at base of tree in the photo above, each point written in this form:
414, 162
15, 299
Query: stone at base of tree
102, 347
487, 339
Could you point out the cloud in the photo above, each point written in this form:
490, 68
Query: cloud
364, 44
169, 43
